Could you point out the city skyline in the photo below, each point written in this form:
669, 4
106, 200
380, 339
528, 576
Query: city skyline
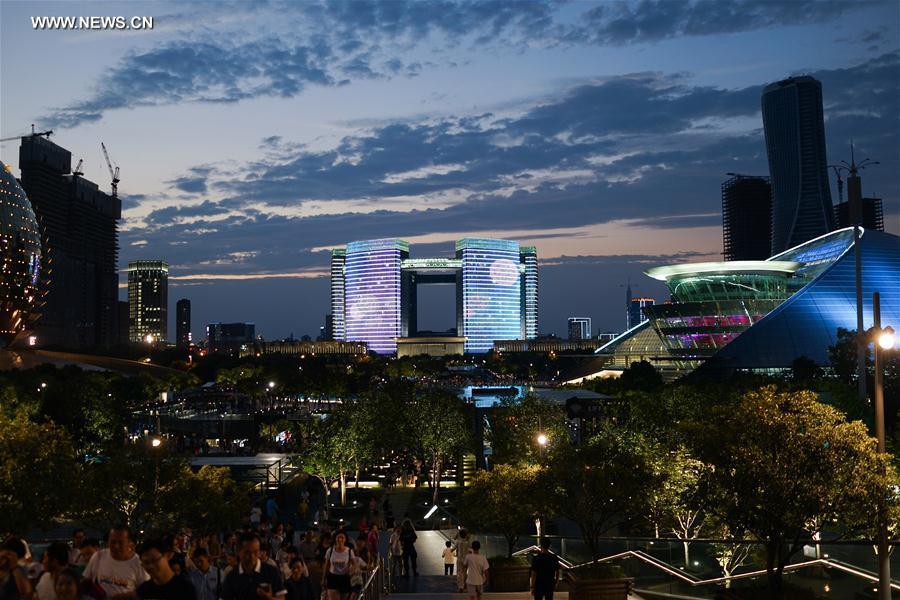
605, 146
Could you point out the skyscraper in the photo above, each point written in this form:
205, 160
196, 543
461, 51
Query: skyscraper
636, 314
183, 323
528, 258
338, 322
78, 226
747, 217
372, 292
579, 328
148, 301
872, 214
491, 292
795, 143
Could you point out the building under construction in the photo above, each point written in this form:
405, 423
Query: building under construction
78, 225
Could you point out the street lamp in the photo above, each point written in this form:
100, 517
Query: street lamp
156, 442
271, 384
542, 440
884, 340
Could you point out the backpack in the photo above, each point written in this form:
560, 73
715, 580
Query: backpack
328, 559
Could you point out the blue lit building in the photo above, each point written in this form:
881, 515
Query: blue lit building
374, 292
762, 315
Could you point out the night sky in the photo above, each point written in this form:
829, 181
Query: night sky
254, 137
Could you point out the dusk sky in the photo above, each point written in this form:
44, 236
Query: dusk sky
253, 137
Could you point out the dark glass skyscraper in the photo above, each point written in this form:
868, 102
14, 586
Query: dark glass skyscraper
183, 323
338, 321
78, 224
795, 144
747, 218
148, 301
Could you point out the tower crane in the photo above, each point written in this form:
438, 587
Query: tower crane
114, 174
33, 133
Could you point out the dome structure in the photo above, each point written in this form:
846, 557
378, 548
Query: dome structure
20, 257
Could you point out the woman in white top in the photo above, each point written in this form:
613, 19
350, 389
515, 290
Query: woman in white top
336, 576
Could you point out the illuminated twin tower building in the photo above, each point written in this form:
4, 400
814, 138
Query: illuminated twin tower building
374, 291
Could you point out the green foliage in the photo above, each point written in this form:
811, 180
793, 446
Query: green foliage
784, 465
515, 425
441, 430
506, 499
601, 484
38, 473
640, 376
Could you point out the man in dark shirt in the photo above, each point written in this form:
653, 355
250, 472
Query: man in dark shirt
544, 572
252, 579
163, 584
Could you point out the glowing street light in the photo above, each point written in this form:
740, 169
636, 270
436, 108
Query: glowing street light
271, 384
156, 442
542, 439
149, 338
886, 338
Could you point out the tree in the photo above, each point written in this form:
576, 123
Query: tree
331, 455
38, 473
441, 431
206, 500
686, 510
505, 500
515, 425
600, 485
785, 464
641, 376
731, 556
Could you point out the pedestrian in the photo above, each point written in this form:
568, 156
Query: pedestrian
395, 549
299, 586
372, 544
78, 536
163, 584
476, 572
449, 556
357, 576
56, 558
206, 578
307, 547
67, 584
117, 568
14, 582
408, 539
462, 551
544, 573
336, 571
252, 579
255, 517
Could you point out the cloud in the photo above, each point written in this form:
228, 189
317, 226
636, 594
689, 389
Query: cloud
353, 40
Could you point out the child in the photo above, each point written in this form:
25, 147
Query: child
449, 556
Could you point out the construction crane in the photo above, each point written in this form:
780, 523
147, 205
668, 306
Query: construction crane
113, 174
33, 133
77, 170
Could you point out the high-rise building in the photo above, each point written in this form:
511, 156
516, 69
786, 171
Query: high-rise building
491, 292
374, 285
636, 314
528, 259
230, 338
78, 226
124, 320
872, 214
795, 143
372, 293
338, 321
183, 323
20, 253
579, 328
148, 301
747, 217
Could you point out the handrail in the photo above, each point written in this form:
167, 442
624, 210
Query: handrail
368, 589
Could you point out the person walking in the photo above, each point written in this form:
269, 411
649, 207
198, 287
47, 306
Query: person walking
336, 572
462, 551
395, 550
544, 573
56, 558
408, 539
449, 556
205, 577
252, 579
117, 568
163, 583
476, 572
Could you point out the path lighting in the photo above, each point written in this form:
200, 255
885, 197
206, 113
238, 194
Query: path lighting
156, 442
271, 384
542, 439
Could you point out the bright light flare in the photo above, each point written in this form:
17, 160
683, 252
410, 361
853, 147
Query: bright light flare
542, 439
886, 338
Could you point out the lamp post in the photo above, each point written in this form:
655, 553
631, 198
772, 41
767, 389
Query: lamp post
542, 441
884, 340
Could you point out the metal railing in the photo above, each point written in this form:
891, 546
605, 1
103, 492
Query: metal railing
377, 585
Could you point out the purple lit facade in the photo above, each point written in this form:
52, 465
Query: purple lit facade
372, 298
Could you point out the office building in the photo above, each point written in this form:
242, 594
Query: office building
230, 338
124, 319
636, 314
374, 286
747, 218
338, 322
302, 349
872, 214
78, 225
795, 144
763, 315
21, 256
183, 323
148, 301
579, 328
